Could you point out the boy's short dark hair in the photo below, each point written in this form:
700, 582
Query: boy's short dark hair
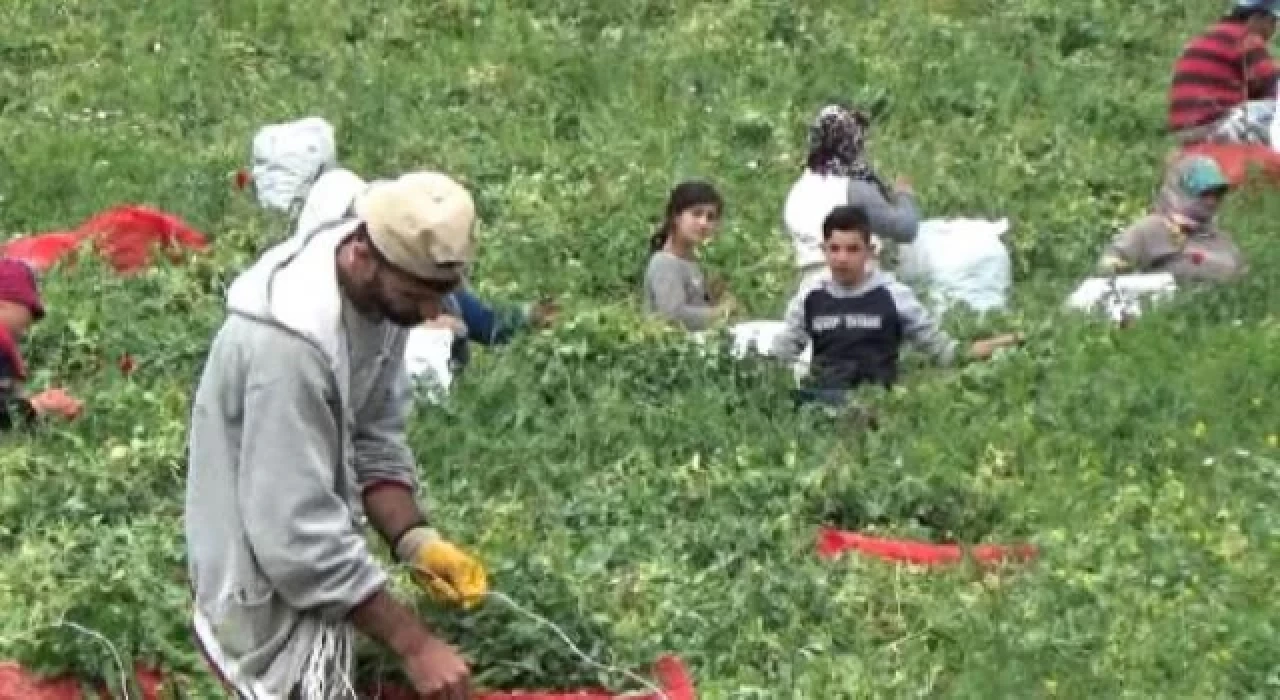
1244, 14
847, 218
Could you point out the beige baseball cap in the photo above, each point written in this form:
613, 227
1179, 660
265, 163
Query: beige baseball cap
421, 222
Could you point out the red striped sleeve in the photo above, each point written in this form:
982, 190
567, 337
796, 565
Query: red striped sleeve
1209, 77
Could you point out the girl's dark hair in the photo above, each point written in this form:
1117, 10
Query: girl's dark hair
686, 195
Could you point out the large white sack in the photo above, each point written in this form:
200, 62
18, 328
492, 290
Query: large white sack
959, 261
288, 157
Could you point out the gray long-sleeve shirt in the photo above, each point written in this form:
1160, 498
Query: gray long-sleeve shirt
897, 221
675, 289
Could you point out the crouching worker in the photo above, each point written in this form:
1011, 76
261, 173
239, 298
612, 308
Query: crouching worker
20, 306
858, 317
472, 320
298, 434
1178, 236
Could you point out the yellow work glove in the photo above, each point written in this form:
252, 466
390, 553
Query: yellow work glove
443, 570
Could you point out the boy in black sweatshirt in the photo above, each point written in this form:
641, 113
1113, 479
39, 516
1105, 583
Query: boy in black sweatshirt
858, 317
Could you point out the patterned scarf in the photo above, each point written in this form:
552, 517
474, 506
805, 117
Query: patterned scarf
836, 146
1178, 201
836, 142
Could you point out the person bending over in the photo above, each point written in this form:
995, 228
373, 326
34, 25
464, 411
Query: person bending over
1179, 235
298, 435
20, 307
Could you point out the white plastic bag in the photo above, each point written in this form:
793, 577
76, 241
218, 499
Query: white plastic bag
757, 337
959, 260
754, 335
288, 157
426, 358
1121, 297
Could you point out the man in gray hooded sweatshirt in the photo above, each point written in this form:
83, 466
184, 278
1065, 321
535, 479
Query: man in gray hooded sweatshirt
298, 436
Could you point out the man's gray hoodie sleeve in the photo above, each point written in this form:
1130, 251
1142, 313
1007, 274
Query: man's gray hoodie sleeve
381, 452
791, 341
898, 221
921, 328
300, 529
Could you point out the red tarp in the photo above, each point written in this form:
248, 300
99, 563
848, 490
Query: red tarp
41, 251
1237, 159
832, 543
17, 684
668, 673
123, 235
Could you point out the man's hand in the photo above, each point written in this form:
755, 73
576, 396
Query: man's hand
902, 185
984, 349
442, 569
437, 671
56, 402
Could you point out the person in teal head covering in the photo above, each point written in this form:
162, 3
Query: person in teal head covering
1178, 236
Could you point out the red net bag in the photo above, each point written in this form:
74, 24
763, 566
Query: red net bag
125, 236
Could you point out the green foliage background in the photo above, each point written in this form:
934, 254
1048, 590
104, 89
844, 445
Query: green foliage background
648, 493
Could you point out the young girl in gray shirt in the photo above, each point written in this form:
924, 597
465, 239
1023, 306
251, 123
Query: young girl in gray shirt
674, 286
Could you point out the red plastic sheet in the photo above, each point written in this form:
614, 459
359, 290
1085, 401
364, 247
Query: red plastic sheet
1236, 160
16, 683
832, 543
42, 250
669, 674
123, 235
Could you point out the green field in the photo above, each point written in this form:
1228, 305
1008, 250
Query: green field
651, 495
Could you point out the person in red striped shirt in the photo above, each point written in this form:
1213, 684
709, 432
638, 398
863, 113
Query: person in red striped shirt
1224, 83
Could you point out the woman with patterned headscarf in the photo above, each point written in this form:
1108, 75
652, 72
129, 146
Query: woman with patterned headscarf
837, 174
1179, 236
